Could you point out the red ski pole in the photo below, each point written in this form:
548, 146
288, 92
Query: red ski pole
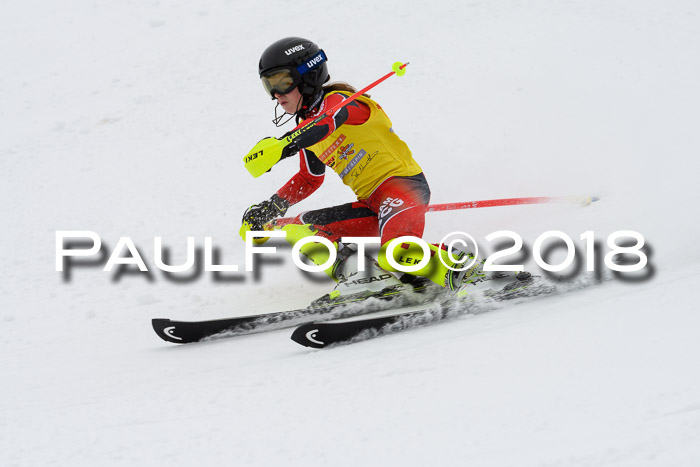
485, 203
398, 69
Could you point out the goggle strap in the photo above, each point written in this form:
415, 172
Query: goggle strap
313, 62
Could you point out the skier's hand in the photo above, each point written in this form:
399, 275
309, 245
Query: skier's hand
267, 153
259, 214
289, 150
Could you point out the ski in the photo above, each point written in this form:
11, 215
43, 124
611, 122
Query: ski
186, 332
340, 331
319, 335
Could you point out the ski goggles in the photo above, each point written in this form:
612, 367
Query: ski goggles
284, 80
280, 82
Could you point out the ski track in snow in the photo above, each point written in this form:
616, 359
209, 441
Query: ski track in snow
132, 121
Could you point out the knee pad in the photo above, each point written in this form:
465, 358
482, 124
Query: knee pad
317, 253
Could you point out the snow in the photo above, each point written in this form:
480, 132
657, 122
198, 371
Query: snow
131, 120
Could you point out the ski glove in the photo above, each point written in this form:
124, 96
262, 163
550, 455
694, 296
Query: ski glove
259, 214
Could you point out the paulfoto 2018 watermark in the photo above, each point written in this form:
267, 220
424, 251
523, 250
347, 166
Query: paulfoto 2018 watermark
74, 247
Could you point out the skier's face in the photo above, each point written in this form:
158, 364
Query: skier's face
290, 102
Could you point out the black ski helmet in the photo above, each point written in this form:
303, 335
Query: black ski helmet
305, 60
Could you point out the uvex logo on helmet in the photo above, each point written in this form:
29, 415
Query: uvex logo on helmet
294, 49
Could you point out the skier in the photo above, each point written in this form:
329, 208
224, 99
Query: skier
359, 144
